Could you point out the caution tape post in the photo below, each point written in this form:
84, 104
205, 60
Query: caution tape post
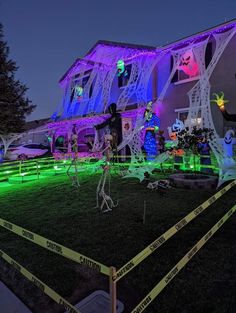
113, 292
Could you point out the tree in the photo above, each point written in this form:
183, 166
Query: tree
14, 106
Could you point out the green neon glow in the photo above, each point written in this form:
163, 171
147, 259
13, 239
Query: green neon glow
219, 100
120, 67
79, 91
48, 168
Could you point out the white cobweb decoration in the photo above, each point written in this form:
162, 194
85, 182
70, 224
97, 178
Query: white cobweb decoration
138, 167
199, 97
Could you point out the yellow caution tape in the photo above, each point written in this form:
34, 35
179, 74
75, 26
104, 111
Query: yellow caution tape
55, 247
176, 269
169, 233
42, 286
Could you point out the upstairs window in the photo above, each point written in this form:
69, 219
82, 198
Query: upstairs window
208, 54
78, 86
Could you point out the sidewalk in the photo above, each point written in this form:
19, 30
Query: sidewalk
9, 303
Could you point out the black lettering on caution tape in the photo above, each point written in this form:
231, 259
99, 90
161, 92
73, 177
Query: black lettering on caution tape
181, 224
16, 266
157, 243
90, 263
7, 225
172, 274
208, 235
143, 305
223, 191
38, 283
126, 268
192, 252
230, 212
67, 306
220, 223
28, 234
54, 247
198, 210
212, 199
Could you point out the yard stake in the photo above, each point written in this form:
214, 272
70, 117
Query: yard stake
144, 212
20, 167
112, 284
37, 166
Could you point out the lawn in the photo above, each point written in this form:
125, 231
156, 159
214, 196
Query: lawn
54, 209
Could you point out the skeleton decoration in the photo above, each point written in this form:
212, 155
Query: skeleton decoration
72, 171
192, 63
106, 200
188, 64
159, 184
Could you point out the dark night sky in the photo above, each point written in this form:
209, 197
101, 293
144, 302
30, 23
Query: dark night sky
46, 36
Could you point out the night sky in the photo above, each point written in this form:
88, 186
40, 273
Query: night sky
46, 36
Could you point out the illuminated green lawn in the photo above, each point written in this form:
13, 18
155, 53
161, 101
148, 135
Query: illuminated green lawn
52, 208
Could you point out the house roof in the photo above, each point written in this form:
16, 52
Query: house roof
106, 43
35, 124
77, 62
178, 43
121, 44
223, 26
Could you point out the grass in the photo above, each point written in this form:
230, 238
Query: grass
53, 209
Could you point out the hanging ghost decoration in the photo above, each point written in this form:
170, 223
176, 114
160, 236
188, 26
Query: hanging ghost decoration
188, 64
77, 93
121, 68
178, 126
228, 142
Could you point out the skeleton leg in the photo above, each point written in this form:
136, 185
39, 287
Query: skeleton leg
107, 200
99, 190
73, 178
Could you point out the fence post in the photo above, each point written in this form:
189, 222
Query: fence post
112, 289
37, 167
20, 167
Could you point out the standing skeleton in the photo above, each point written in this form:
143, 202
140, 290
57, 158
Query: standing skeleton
74, 147
106, 199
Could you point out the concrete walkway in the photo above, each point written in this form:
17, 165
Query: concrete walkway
9, 303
